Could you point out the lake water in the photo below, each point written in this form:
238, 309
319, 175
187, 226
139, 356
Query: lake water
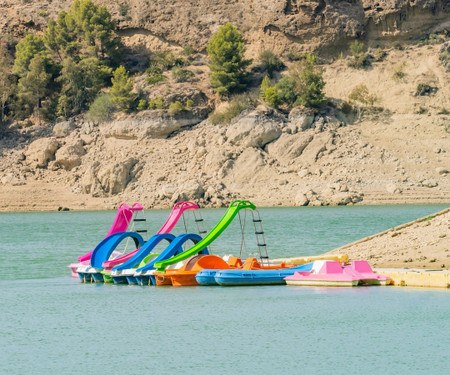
51, 323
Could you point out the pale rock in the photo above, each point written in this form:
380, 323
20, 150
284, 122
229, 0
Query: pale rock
254, 129
393, 189
429, 183
301, 199
63, 129
109, 179
441, 170
288, 147
300, 119
41, 151
69, 155
190, 191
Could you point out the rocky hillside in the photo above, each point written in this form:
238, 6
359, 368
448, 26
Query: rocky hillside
396, 150
300, 25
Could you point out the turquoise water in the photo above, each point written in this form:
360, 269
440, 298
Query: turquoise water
53, 324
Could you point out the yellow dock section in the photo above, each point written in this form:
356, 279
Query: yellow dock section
417, 277
343, 258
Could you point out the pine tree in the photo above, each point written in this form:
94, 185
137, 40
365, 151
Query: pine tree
7, 82
265, 84
26, 50
81, 82
121, 89
309, 82
228, 65
32, 87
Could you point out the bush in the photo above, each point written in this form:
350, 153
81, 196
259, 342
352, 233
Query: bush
182, 75
286, 90
360, 58
142, 105
162, 60
265, 84
293, 56
236, 105
155, 75
102, 108
399, 72
175, 108
157, 103
361, 94
309, 82
270, 62
190, 104
356, 48
272, 98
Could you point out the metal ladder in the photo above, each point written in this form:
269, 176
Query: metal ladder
139, 224
260, 239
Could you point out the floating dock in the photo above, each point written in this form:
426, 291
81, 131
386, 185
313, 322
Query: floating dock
416, 277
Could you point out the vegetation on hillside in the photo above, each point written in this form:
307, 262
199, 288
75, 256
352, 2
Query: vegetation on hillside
77, 67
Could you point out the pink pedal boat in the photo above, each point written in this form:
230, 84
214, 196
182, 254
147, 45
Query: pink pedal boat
332, 273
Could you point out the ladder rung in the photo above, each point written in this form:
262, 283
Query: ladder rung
259, 232
202, 232
262, 244
140, 219
142, 231
264, 257
198, 220
257, 220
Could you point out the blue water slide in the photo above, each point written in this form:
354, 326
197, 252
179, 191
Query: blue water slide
104, 249
145, 250
253, 277
173, 249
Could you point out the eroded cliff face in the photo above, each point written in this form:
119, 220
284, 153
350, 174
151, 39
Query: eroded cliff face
298, 25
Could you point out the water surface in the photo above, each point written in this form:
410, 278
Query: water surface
53, 324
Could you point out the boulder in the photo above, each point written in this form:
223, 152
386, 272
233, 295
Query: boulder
41, 151
300, 119
110, 179
149, 124
63, 129
290, 146
254, 129
69, 155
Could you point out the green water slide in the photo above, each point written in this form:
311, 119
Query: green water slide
232, 211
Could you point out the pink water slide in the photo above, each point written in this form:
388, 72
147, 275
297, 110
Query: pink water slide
121, 223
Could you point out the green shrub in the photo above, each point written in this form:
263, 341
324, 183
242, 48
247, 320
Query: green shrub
286, 90
270, 62
272, 98
142, 105
102, 108
237, 104
399, 72
188, 51
182, 75
265, 84
356, 48
162, 60
361, 94
360, 59
190, 104
175, 108
309, 82
155, 75
157, 103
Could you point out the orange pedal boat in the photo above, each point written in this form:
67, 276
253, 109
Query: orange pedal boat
185, 275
